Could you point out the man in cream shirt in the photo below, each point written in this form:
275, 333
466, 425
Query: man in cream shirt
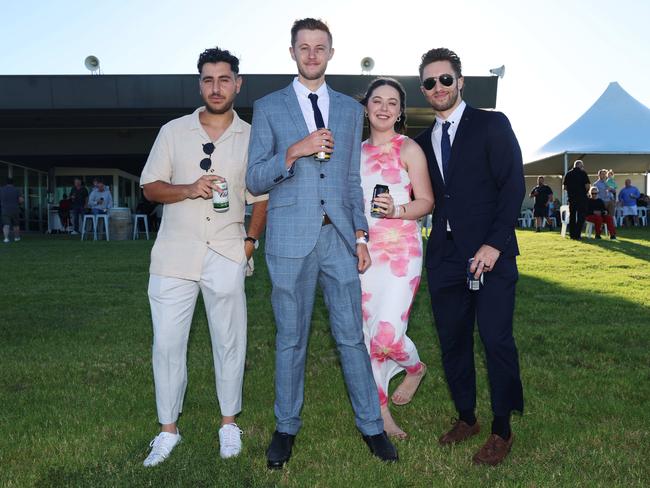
198, 248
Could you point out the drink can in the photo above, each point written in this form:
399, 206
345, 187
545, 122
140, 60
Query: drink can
374, 210
220, 201
473, 283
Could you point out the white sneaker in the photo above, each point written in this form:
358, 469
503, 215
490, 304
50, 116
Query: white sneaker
16, 239
229, 441
6, 240
74, 233
161, 447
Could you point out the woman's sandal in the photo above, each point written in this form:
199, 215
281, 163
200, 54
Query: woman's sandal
405, 391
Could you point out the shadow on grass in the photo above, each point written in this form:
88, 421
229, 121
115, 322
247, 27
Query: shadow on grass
622, 245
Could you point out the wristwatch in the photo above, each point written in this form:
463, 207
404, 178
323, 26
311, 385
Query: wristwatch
364, 239
256, 244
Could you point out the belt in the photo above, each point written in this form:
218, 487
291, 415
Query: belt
450, 236
326, 220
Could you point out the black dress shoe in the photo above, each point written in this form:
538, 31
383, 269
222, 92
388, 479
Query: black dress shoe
279, 451
381, 446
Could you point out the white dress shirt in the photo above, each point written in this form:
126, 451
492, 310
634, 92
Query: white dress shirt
436, 133
436, 136
302, 92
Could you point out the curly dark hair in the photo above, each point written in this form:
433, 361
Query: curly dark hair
441, 54
309, 24
400, 125
216, 55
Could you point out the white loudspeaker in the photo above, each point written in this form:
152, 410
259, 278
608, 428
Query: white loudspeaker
91, 63
500, 71
367, 64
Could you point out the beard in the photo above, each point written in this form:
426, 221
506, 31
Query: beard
218, 110
314, 75
441, 107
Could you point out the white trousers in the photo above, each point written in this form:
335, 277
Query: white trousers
172, 303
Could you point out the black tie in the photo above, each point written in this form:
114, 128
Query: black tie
318, 117
445, 149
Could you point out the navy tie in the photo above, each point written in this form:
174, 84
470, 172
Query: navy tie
445, 148
318, 116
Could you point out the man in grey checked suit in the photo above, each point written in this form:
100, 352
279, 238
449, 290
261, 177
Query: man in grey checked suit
315, 209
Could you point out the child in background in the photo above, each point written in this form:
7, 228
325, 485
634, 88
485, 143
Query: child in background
611, 182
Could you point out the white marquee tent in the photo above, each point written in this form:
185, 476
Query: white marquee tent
614, 133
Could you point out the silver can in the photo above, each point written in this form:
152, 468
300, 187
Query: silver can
220, 201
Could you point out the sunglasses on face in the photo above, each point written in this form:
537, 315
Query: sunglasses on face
206, 163
594, 193
446, 80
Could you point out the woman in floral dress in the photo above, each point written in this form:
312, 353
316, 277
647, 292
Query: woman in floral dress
395, 245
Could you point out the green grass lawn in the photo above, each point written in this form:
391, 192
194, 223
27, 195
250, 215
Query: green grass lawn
78, 405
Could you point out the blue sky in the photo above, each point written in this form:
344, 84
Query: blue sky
559, 55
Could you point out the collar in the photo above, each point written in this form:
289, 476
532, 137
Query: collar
454, 117
302, 91
235, 126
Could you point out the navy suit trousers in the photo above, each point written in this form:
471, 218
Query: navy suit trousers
456, 309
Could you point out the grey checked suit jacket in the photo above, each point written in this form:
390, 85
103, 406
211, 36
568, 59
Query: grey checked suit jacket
299, 197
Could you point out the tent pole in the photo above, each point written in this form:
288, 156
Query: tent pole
566, 169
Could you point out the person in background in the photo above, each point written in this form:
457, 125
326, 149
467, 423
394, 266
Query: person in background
576, 183
100, 199
642, 201
598, 214
389, 286
543, 196
10, 200
628, 197
79, 197
96, 181
605, 192
65, 204
611, 181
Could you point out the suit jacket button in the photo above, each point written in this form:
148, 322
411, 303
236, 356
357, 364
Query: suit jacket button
322, 202
447, 196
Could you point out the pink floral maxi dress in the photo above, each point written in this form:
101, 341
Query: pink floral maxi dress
390, 284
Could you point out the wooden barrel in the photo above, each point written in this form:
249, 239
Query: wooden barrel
121, 224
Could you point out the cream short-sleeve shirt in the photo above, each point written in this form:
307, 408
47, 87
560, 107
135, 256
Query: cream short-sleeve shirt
190, 228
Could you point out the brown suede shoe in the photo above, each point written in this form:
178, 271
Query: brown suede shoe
494, 450
459, 432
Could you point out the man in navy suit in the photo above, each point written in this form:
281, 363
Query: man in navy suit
305, 152
476, 172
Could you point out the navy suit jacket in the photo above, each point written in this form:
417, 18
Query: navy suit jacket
482, 196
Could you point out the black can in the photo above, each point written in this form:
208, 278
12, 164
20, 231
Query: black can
374, 210
473, 284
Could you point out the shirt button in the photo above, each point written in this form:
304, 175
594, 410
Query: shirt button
322, 202
322, 175
208, 243
207, 218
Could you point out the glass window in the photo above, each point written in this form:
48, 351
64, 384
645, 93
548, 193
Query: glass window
4, 172
33, 201
63, 186
126, 194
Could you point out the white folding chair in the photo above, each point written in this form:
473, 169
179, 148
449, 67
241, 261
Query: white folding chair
526, 218
564, 218
590, 228
642, 213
